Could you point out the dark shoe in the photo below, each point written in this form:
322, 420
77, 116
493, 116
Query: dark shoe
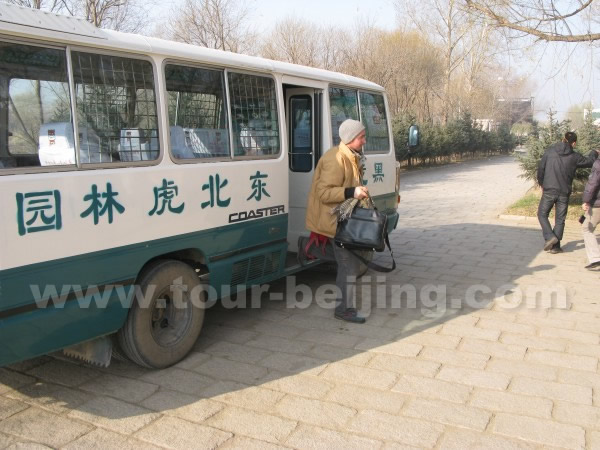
550, 243
593, 265
555, 250
350, 315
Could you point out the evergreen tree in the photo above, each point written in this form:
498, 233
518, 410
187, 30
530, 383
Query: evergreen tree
536, 146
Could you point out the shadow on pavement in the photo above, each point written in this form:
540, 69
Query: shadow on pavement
247, 348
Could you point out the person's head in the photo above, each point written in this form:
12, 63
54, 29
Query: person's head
352, 133
570, 138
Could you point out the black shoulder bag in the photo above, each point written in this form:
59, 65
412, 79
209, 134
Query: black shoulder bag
365, 229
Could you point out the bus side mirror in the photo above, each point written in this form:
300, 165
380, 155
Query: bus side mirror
413, 136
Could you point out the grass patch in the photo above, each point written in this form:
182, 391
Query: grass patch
528, 205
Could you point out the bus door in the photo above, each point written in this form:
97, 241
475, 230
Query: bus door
304, 124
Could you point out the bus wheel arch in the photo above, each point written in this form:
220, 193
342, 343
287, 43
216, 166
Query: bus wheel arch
166, 315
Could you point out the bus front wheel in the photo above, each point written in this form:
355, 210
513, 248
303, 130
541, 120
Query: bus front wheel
166, 316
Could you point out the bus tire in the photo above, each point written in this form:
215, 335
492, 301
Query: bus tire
164, 321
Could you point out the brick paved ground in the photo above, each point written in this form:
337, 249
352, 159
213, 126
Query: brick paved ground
501, 373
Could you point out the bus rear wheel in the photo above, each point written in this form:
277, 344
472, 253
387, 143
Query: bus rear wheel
166, 316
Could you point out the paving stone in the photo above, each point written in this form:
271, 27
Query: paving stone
6, 440
10, 407
330, 353
245, 443
100, 439
495, 349
336, 339
447, 413
180, 405
594, 440
563, 360
473, 377
400, 365
180, 380
472, 332
65, 373
398, 348
579, 377
462, 439
576, 348
432, 388
541, 431
511, 403
287, 362
523, 369
314, 412
320, 438
360, 397
193, 359
271, 328
433, 340
278, 344
220, 368
384, 426
173, 432
237, 352
451, 357
577, 414
249, 397
571, 335
534, 342
115, 415
552, 390
508, 326
126, 389
51, 397
362, 376
43, 427
300, 384
13, 380
252, 424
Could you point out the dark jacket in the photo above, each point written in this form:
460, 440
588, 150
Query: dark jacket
557, 167
590, 193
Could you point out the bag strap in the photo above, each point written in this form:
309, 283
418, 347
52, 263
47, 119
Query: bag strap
375, 266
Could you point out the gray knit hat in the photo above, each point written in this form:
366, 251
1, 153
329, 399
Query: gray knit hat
349, 129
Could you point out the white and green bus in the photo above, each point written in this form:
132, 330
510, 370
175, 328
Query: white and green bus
132, 161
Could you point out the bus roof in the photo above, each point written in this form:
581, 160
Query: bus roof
32, 23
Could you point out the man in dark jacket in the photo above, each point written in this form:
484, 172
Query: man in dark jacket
591, 206
555, 174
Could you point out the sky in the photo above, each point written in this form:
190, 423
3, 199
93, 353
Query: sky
554, 84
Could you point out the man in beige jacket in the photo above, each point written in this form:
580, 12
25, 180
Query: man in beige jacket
338, 176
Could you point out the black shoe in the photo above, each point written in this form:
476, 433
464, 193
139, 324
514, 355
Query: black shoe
350, 315
593, 265
555, 250
550, 243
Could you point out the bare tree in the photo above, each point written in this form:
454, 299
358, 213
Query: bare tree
121, 15
47, 5
302, 42
220, 24
547, 20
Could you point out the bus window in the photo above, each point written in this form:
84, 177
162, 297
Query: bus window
116, 108
35, 103
373, 117
197, 112
253, 115
344, 105
301, 148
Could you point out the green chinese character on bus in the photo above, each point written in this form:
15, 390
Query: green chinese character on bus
99, 208
38, 211
378, 175
163, 196
258, 186
214, 187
